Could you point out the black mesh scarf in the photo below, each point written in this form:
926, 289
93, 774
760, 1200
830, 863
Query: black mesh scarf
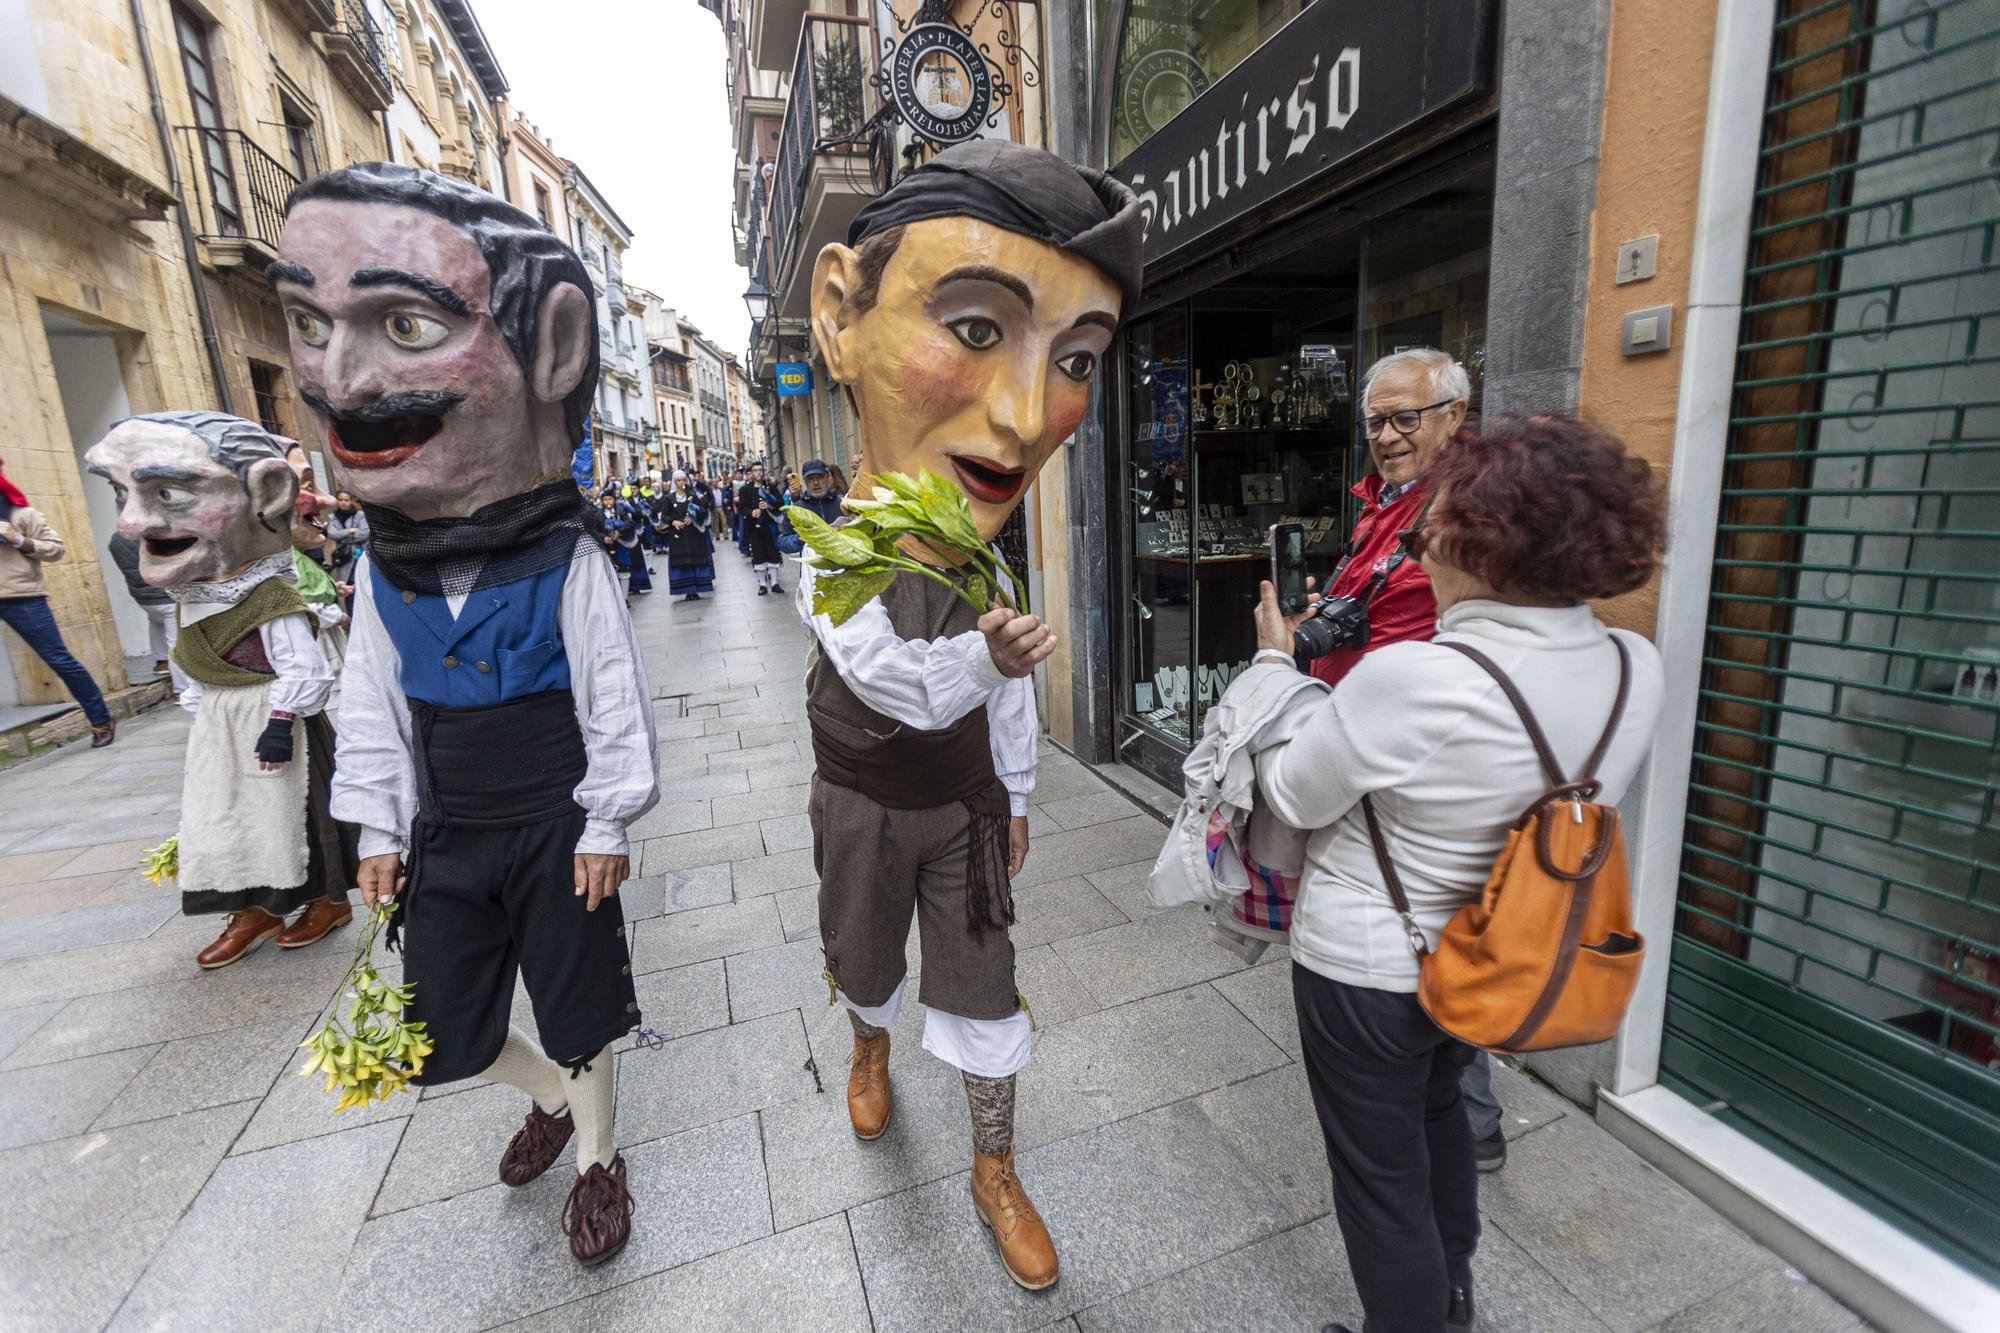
510, 539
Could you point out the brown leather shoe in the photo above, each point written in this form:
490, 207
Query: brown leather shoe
598, 1216
536, 1144
868, 1100
244, 932
311, 925
1026, 1250
104, 735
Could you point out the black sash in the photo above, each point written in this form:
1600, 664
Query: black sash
497, 765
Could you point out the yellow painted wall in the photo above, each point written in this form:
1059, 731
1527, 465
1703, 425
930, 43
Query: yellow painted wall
1649, 170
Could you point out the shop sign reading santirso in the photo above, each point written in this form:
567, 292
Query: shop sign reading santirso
1295, 108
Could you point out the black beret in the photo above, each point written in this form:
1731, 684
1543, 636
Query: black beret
1025, 190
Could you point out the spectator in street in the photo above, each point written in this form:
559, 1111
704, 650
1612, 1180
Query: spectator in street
818, 493
1525, 523
1414, 402
760, 505
27, 542
690, 554
347, 528
162, 625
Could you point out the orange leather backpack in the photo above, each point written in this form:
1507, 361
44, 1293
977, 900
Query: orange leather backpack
1548, 956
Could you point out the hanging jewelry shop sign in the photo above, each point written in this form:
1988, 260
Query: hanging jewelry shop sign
950, 82
1296, 108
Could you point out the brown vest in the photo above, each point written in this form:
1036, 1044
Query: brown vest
900, 767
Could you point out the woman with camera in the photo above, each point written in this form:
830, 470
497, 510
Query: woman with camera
1523, 524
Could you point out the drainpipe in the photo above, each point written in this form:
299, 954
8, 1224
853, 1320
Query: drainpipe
202, 311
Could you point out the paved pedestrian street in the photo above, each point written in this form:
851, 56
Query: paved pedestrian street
162, 1168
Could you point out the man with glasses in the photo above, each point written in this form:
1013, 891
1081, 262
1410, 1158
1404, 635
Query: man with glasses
1413, 402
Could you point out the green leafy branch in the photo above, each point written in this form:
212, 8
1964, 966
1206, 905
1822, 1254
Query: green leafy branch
858, 560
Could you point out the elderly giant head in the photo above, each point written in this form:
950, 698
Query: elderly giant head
205, 495
444, 339
969, 309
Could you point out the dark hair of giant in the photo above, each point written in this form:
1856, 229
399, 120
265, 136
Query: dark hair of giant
524, 259
1545, 507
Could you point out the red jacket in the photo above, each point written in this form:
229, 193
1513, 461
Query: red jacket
1405, 608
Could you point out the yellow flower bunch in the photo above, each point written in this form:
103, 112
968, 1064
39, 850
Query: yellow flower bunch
163, 863
374, 1054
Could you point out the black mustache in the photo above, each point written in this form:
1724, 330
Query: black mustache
414, 402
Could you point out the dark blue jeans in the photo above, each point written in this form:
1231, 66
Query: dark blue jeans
31, 618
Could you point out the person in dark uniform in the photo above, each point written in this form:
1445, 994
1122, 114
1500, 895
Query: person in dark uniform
496, 722
760, 506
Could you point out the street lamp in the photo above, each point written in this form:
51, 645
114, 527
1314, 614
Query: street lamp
757, 300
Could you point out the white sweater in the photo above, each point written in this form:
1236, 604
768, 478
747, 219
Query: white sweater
1430, 735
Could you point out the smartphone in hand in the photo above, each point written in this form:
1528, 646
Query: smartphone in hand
1288, 566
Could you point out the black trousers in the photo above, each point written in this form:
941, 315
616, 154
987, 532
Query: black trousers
1385, 1083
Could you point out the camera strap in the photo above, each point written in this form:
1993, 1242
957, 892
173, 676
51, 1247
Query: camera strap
1380, 580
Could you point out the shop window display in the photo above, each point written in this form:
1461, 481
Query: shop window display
1240, 412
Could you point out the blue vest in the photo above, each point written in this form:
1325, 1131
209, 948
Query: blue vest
505, 642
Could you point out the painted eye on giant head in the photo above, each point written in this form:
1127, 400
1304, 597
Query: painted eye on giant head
173, 497
414, 333
310, 328
1078, 365
976, 332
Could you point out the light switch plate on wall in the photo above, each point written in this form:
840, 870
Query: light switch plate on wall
1637, 260
1649, 330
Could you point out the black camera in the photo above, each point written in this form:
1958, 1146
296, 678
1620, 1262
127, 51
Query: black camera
1336, 622
1340, 622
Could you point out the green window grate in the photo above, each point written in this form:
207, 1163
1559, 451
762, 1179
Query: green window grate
1835, 986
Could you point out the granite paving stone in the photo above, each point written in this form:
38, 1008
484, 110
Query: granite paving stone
497, 1253
1771, 1298
929, 1263
667, 818
1631, 1244
453, 1145
69, 1187
712, 1076
1117, 1062
19, 1023
706, 932
55, 1101
1146, 957
80, 927
680, 1002
769, 981
43, 1288
774, 874
805, 1278
1059, 909
786, 833
1053, 993
1269, 1119
259, 1233
1099, 847
682, 851
676, 891
770, 802
1098, 807
214, 1069
677, 785
1264, 994
798, 913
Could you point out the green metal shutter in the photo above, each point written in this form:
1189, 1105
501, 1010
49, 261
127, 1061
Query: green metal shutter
1835, 981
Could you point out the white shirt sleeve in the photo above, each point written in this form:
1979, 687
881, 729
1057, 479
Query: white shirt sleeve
375, 783
923, 683
304, 679
614, 704
1011, 730
329, 614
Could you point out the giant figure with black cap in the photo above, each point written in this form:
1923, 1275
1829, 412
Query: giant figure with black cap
496, 723
966, 315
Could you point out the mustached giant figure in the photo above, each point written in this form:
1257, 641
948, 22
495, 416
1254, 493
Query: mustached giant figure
496, 723
966, 315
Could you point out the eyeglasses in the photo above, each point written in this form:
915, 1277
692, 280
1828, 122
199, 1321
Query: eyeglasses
1405, 421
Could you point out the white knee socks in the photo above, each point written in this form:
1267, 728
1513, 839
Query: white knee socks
522, 1065
592, 1097
767, 576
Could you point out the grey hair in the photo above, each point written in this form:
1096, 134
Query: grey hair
233, 442
1446, 376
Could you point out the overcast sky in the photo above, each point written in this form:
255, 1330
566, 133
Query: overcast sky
633, 91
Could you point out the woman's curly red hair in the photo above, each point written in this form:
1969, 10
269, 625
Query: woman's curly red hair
1545, 507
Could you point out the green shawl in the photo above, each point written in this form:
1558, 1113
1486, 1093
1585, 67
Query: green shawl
199, 649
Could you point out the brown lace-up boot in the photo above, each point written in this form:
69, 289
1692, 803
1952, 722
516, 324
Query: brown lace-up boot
1026, 1249
598, 1216
311, 925
868, 1101
243, 932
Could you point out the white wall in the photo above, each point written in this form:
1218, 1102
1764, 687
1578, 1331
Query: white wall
93, 397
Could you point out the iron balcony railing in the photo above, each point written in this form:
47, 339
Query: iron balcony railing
832, 101
239, 189
360, 28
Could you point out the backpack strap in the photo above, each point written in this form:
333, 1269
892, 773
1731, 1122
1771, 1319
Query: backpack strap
1392, 881
1617, 712
1528, 719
